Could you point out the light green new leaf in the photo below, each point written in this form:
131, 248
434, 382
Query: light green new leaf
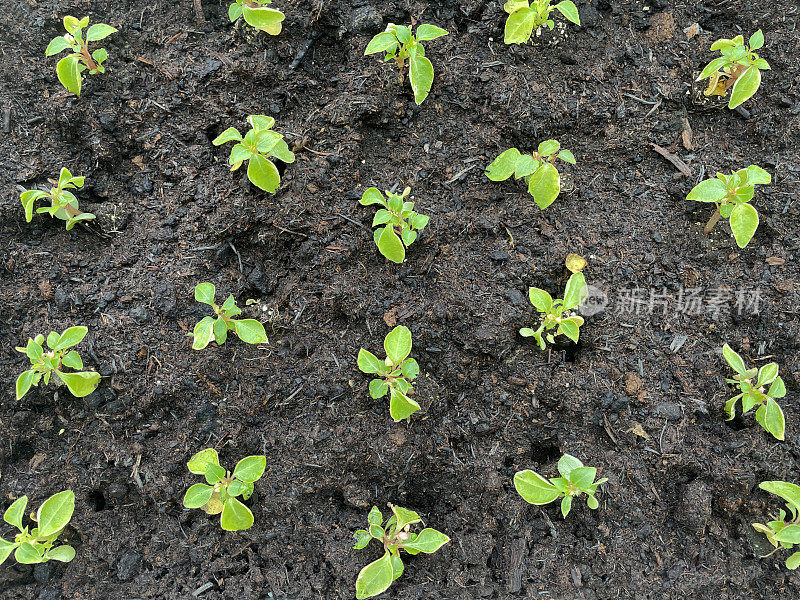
14, 513
569, 329
582, 477
774, 421
405, 516
231, 134
203, 333
69, 73
791, 563
55, 512
26, 554
568, 463
540, 299
71, 337
198, 464
61, 554
401, 406
744, 222
390, 245
372, 196
98, 32
72, 360
80, 384
503, 166
198, 495
429, 32
263, 173
519, 26
575, 291
236, 516
362, 537
548, 147
57, 45
375, 578
234, 11
205, 293
6, 548
250, 331
24, 382
534, 488
746, 85
569, 10
756, 40
777, 389
410, 369
545, 185
757, 175
264, 19
566, 505
369, 363
378, 388
420, 71
398, 344
567, 156
734, 360
428, 541
710, 190
383, 42
250, 469
790, 534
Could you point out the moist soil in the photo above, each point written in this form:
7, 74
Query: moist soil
640, 397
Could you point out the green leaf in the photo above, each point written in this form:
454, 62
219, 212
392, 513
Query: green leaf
250, 331
27, 555
566, 505
428, 541
429, 32
390, 245
205, 293
72, 360
756, 40
98, 32
790, 534
744, 222
746, 85
214, 474
383, 42
80, 384
398, 344
540, 299
63, 553
519, 26
734, 360
198, 495
71, 337
548, 147
569, 10
6, 548
401, 406
582, 477
712, 67
55, 512
569, 329
281, 152
263, 173
375, 578
534, 488
203, 333
568, 463
378, 388
374, 517
405, 517
774, 421
24, 382
567, 156
767, 374
710, 190
231, 134
14, 513
220, 330
382, 216
250, 469
372, 196
575, 292
410, 368
791, 563
236, 516
261, 122
545, 185
397, 566
420, 71
592, 502
264, 19
52, 339
234, 11
503, 166
403, 33
57, 45
69, 74
362, 537
198, 464
369, 363
757, 175
419, 222
777, 389
100, 55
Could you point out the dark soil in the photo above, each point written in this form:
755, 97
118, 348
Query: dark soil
640, 397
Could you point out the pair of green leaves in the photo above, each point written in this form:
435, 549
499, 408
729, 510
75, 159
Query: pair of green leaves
257, 147
543, 179
399, 45
219, 496
44, 364
557, 313
63, 203
36, 545
732, 194
396, 212
779, 531
525, 17
393, 373
256, 14
70, 68
211, 328
395, 535
768, 414
738, 69
575, 480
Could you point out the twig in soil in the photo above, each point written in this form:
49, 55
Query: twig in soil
289, 230
550, 525
315, 35
203, 588
198, 11
239, 256
6, 120
675, 160
642, 100
460, 174
712, 222
354, 222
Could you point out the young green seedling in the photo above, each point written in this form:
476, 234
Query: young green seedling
526, 17
558, 313
45, 363
395, 535
575, 480
393, 373
70, 68
400, 44
36, 545
63, 203
756, 393
783, 534
395, 213
738, 68
541, 176
258, 146
211, 328
219, 496
256, 14
732, 194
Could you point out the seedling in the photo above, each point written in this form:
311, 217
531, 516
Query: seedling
70, 68
36, 545
259, 145
400, 44
558, 313
731, 194
211, 328
575, 480
256, 14
58, 356
395, 535
63, 203
738, 69
543, 179
783, 534
768, 414
395, 213
393, 373
219, 496
526, 17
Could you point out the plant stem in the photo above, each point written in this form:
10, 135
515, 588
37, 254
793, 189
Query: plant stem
712, 222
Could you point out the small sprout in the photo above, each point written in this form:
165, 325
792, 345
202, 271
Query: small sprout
400, 44
575, 480
558, 313
395, 213
732, 194
210, 328
395, 535
63, 203
739, 68
779, 532
44, 364
256, 14
36, 545
526, 17
219, 496
70, 68
393, 373
542, 178
756, 394
259, 145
